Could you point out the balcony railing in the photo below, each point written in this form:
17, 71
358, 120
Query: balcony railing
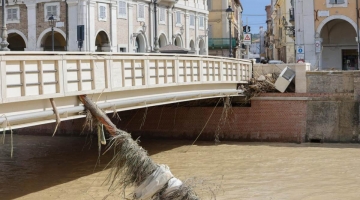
221, 43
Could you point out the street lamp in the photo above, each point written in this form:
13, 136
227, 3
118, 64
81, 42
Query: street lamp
52, 25
4, 36
156, 41
230, 13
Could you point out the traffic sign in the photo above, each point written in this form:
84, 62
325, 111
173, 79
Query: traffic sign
247, 39
300, 49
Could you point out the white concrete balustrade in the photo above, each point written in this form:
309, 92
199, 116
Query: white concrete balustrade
30, 79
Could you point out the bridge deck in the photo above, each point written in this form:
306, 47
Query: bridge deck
29, 80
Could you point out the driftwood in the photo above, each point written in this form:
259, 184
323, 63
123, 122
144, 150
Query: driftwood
131, 165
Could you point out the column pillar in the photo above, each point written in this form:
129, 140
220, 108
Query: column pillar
91, 27
206, 39
197, 39
187, 30
82, 20
113, 27
31, 17
72, 29
170, 25
152, 27
130, 28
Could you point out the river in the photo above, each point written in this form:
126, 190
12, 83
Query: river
61, 167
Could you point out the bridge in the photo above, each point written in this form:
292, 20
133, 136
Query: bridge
35, 84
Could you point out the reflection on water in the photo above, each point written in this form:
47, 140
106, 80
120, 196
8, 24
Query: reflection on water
63, 168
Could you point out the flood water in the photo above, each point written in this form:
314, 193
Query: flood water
58, 167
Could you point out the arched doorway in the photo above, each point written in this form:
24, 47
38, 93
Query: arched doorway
192, 45
102, 42
202, 49
59, 42
338, 52
162, 41
16, 42
140, 44
178, 41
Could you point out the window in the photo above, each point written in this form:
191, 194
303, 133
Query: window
13, 15
209, 4
141, 12
201, 22
162, 16
122, 49
52, 9
122, 9
337, 1
178, 17
102, 12
192, 20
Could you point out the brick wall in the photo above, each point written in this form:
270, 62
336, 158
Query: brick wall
275, 121
41, 24
22, 27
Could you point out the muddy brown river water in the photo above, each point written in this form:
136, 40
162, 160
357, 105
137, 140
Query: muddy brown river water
58, 167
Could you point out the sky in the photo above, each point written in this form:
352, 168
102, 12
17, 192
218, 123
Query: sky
254, 11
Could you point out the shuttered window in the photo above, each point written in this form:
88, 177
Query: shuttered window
201, 22
336, 1
162, 15
122, 9
12, 14
178, 17
192, 20
141, 11
51, 10
102, 13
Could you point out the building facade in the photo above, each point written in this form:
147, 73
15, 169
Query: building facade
219, 37
328, 31
283, 44
117, 26
268, 35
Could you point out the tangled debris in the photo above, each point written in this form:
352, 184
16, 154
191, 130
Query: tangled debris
263, 84
131, 165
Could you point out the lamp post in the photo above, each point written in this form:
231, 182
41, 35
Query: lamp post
230, 13
52, 25
4, 36
156, 42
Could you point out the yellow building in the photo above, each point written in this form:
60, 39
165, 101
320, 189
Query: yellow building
336, 25
219, 37
283, 44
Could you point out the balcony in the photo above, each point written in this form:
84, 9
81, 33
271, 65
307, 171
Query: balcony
167, 2
221, 43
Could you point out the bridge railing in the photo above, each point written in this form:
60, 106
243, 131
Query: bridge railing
41, 75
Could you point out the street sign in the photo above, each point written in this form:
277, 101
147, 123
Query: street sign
300, 49
247, 39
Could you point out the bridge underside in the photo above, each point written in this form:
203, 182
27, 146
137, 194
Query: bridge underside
37, 112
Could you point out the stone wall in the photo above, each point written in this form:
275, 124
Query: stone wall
335, 116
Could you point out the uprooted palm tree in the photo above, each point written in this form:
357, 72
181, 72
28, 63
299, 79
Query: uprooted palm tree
131, 165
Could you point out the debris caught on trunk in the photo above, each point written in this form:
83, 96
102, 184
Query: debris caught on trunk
131, 165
